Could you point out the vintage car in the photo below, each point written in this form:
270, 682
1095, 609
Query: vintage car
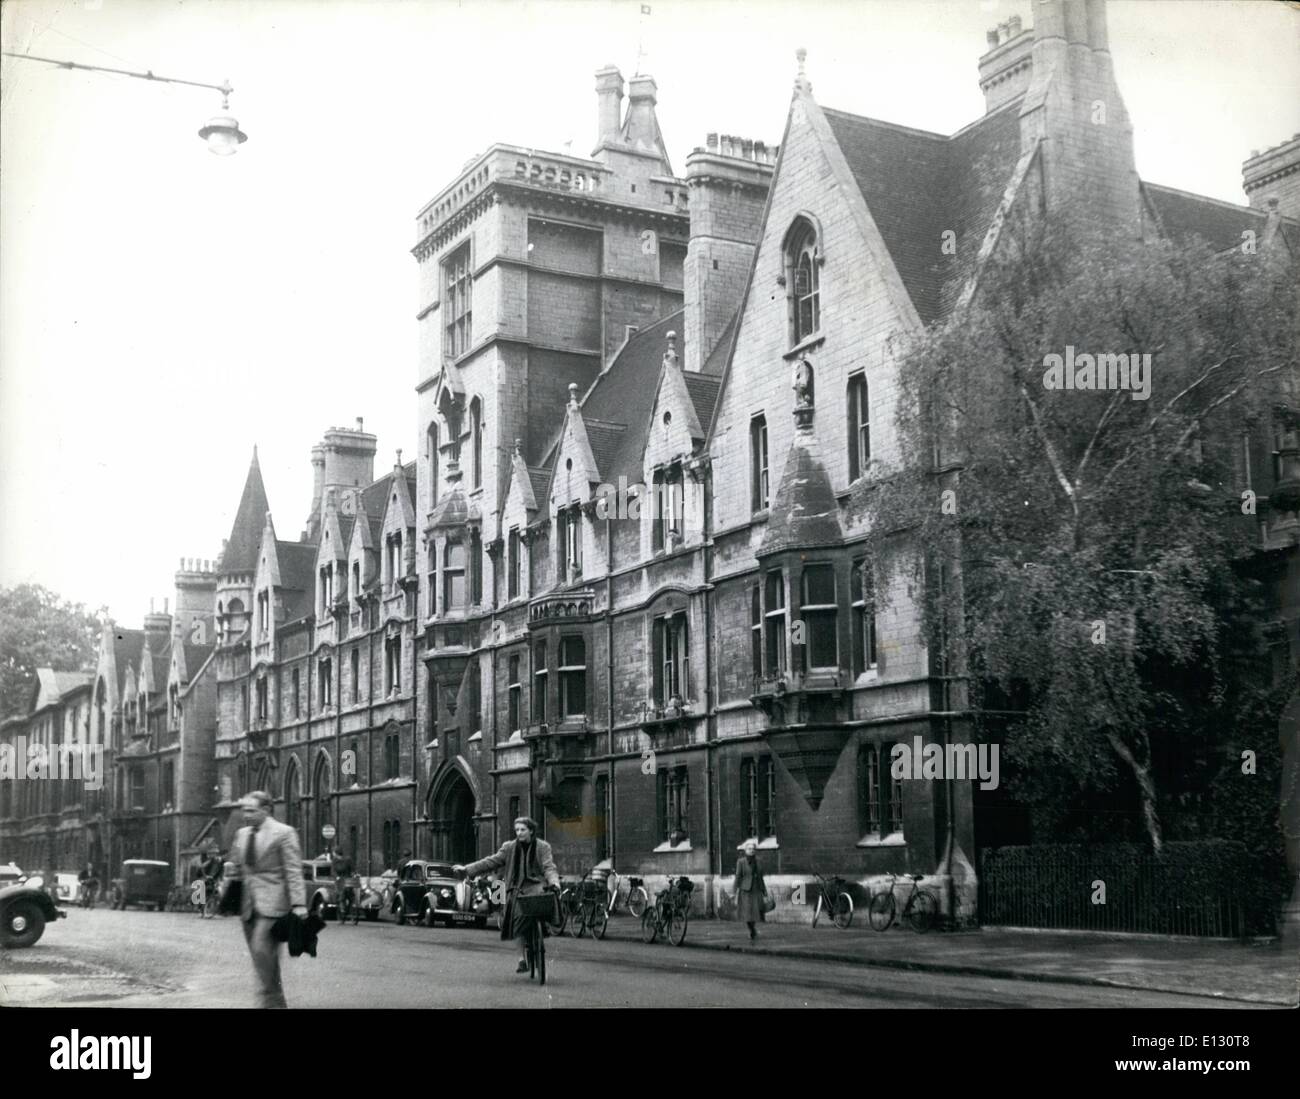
377, 894
146, 882
10, 874
430, 892
321, 886
66, 887
24, 912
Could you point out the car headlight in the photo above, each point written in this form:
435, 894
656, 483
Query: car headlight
447, 893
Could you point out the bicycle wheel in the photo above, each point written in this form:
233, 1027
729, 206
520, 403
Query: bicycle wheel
637, 900
650, 924
566, 911
817, 912
843, 911
599, 921
539, 948
880, 912
211, 903
677, 926
578, 925
922, 911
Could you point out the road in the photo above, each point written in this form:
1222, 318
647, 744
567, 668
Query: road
164, 959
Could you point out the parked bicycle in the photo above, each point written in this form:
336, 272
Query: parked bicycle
205, 896
669, 914
920, 911
591, 914
634, 899
834, 899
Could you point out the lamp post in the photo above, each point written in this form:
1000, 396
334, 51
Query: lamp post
221, 133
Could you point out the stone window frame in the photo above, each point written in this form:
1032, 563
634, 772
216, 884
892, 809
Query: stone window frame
857, 398
815, 612
760, 495
801, 254
880, 796
568, 674
457, 305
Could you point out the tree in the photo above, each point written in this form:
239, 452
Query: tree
38, 629
1090, 543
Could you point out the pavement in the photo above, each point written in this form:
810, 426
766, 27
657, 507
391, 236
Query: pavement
1258, 971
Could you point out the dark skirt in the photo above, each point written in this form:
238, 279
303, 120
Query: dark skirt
513, 924
749, 904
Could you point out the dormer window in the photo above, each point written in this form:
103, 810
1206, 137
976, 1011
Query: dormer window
803, 285
263, 613
356, 581
326, 589
394, 547
859, 427
568, 541
669, 500
514, 555
262, 700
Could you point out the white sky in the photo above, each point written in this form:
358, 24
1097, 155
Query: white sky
162, 309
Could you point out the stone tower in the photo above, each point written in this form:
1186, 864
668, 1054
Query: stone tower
1274, 174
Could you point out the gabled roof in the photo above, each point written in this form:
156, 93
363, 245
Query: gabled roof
1184, 215
624, 395
539, 478
126, 651
246, 532
918, 184
604, 439
703, 391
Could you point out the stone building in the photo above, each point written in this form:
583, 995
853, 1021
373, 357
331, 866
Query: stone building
49, 813
658, 683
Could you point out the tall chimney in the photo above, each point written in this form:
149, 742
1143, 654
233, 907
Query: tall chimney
609, 104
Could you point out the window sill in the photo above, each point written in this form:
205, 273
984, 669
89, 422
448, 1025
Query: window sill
665, 848
894, 839
767, 844
871, 675
805, 345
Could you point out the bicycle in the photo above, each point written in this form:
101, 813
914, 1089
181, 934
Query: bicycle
577, 903
349, 905
538, 909
205, 896
636, 898
669, 914
835, 899
920, 911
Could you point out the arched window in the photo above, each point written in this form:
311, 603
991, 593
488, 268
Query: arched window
803, 280
292, 796
476, 440
431, 459
322, 801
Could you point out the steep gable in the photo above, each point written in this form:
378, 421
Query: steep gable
241, 549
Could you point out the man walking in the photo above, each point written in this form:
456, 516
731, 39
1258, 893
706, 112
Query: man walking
267, 859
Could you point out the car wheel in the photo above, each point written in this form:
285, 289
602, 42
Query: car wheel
399, 911
23, 924
429, 918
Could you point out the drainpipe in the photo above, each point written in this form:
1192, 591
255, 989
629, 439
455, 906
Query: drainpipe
710, 729
610, 831
950, 845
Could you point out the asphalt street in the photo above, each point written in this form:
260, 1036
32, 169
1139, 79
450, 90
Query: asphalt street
163, 960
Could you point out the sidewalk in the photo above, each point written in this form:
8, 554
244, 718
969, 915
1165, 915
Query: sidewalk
1219, 969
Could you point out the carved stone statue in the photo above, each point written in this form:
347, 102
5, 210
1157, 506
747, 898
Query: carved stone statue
802, 383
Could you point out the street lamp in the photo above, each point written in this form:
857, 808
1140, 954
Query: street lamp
222, 132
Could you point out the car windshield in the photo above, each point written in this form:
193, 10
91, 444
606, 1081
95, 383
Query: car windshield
440, 870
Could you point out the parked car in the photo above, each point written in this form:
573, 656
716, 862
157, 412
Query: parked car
24, 912
67, 888
377, 894
429, 893
146, 882
10, 874
322, 889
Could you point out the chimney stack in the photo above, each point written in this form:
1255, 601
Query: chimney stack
609, 104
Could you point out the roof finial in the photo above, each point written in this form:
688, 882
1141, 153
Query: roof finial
519, 448
573, 394
670, 356
801, 81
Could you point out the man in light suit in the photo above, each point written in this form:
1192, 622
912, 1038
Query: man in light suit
265, 856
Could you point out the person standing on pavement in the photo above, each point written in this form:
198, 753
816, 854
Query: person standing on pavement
267, 858
750, 889
529, 868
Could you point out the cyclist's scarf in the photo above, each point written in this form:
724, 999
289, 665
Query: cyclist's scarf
519, 872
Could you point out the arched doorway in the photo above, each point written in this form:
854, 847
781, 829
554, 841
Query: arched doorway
451, 819
322, 804
293, 798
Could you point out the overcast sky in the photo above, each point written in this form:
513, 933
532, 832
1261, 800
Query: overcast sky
162, 310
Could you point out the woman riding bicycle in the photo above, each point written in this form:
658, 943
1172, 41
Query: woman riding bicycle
527, 866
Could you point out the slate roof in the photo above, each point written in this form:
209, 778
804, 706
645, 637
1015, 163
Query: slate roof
918, 184
246, 532
297, 577
624, 395
70, 681
604, 439
540, 480
703, 391
127, 645
195, 657
1184, 215
717, 360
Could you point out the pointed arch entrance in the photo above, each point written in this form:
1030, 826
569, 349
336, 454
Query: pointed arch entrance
450, 810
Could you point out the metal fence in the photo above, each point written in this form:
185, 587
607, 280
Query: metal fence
1109, 889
